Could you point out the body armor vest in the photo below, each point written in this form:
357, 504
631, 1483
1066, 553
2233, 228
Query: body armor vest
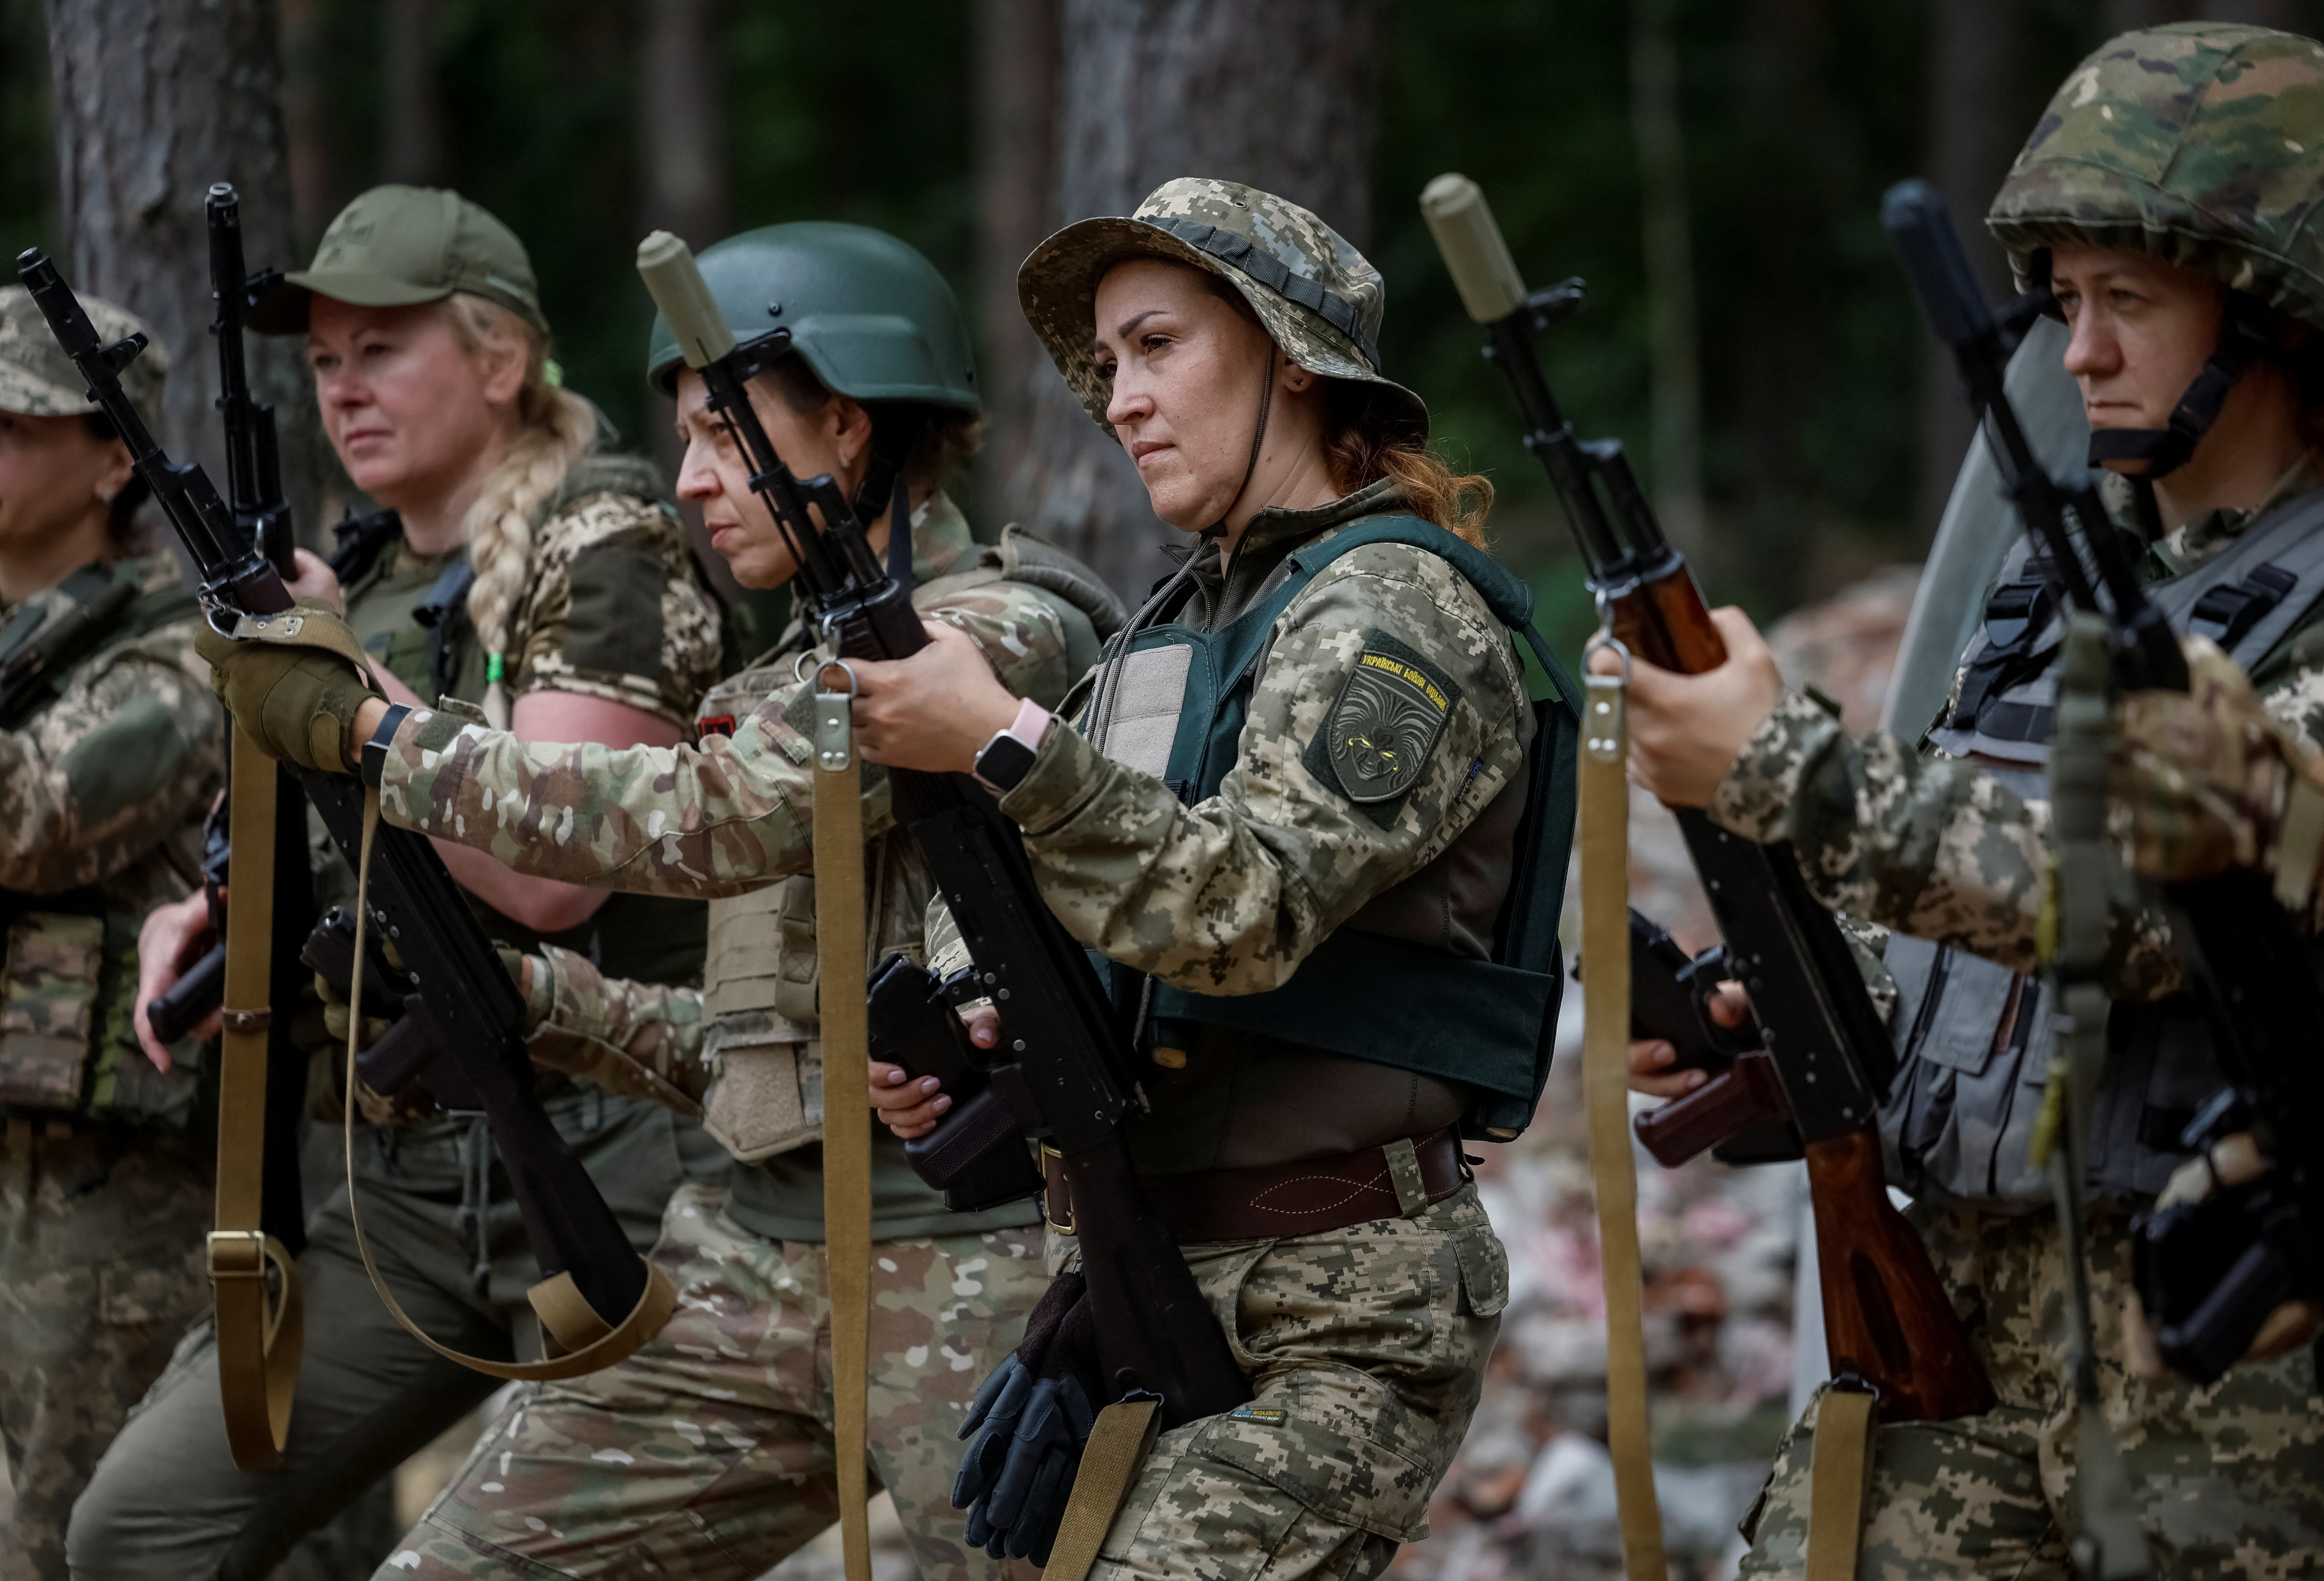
69, 983
763, 974
1974, 1040
1463, 991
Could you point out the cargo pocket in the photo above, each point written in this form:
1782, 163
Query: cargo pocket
1484, 1271
1311, 1443
53, 966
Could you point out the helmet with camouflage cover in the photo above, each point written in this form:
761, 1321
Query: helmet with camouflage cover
2201, 143
869, 315
1319, 297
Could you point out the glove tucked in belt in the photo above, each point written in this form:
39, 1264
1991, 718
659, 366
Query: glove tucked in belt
1312, 1197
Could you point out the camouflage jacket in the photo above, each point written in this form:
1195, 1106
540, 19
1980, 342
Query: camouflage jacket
108, 784
714, 819
1939, 848
104, 788
1228, 896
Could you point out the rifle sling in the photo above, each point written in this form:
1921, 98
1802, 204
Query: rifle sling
839, 926
2109, 1546
1605, 829
259, 1338
1839, 1479
574, 1338
1119, 1442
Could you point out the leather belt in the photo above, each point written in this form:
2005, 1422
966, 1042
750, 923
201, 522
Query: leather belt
1271, 1201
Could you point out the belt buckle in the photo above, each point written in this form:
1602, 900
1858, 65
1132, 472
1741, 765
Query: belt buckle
239, 1246
1072, 1224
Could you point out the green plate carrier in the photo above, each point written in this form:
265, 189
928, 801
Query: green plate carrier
1486, 1023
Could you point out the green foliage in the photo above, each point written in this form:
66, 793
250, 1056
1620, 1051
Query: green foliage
539, 110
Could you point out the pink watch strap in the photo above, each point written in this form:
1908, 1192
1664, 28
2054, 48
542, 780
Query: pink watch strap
1031, 724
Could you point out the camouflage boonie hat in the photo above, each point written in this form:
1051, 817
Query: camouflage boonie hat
398, 246
2201, 143
1318, 296
38, 380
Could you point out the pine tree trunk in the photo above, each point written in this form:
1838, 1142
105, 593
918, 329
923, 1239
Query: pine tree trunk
1016, 147
1283, 95
154, 100
410, 138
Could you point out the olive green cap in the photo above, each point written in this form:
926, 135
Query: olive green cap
1320, 298
871, 316
38, 380
397, 246
2201, 143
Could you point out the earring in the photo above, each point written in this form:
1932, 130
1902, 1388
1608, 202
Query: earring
107, 495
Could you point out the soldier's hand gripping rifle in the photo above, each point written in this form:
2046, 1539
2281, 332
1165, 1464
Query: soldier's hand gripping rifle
2209, 1272
1887, 1321
580, 1245
1062, 1076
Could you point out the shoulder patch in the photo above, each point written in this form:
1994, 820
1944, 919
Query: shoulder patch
1390, 712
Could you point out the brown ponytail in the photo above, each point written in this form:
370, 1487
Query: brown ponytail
1360, 449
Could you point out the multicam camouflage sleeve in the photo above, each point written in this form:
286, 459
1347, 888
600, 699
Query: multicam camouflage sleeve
640, 1040
1228, 896
125, 761
698, 822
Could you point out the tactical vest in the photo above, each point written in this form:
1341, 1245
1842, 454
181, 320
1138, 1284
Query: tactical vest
1388, 988
1974, 1040
763, 974
69, 984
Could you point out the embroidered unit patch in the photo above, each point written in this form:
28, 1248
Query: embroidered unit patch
1390, 712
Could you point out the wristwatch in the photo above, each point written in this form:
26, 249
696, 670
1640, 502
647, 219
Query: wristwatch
1002, 764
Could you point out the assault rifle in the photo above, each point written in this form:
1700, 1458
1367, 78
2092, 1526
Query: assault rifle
1888, 1322
254, 476
1064, 1074
2209, 1272
473, 1003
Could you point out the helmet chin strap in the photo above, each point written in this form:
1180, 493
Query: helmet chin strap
1249, 467
2247, 334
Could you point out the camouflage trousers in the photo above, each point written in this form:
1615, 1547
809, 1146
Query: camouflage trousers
167, 1502
101, 1269
708, 1454
2229, 1478
1366, 1351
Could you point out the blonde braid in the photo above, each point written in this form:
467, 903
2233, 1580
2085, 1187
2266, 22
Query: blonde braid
556, 428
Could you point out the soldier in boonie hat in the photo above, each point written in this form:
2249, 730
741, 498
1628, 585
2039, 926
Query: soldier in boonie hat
1318, 296
398, 246
38, 380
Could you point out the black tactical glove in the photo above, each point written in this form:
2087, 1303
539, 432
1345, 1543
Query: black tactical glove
1031, 1418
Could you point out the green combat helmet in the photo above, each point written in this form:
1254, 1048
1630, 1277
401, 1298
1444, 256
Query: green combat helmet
871, 317
2201, 143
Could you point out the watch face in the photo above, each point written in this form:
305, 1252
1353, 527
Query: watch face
1003, 762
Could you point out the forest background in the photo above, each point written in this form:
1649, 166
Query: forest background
1711, 167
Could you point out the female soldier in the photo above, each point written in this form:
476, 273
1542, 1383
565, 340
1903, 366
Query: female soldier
711, 1448
1252, 402
2165, 192
517, 567
1367, 805
110, 752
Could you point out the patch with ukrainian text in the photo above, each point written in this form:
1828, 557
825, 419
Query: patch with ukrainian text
1389, 714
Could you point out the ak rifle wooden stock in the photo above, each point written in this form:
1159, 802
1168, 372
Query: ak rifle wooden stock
1887, 1320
